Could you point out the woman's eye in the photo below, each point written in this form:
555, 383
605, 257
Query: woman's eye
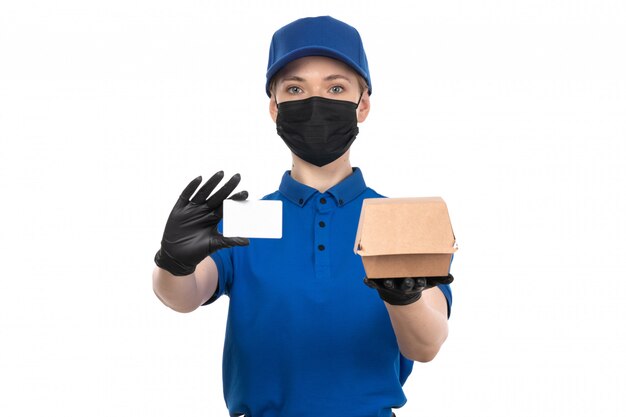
336, 89
294, 90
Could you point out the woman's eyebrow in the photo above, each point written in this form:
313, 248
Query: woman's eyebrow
292, 78
337, 76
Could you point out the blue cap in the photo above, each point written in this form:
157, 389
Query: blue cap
321, 35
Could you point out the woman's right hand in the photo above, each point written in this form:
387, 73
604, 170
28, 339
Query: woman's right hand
191, 230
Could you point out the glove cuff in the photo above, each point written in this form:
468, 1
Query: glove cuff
171, 265
397, 299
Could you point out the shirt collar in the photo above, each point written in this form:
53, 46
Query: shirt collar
344, 192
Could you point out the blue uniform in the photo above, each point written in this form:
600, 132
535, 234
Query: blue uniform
305, 336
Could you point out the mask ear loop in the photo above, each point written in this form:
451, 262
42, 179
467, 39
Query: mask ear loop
276, 102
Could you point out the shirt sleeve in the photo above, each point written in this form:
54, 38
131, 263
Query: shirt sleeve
223, 258
447, 291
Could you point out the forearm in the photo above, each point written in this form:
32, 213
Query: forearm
180, 293
420, 327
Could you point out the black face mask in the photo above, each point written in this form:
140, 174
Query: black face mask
317, 129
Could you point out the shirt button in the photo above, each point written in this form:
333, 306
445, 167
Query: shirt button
322, 224
341, 202
323, 200
301, 201
321, 247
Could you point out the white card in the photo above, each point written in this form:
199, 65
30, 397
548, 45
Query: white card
253, 218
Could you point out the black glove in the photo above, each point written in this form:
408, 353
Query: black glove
191, 231
403, 291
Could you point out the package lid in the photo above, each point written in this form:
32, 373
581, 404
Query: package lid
394, 226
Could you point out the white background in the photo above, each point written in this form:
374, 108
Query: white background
514, 112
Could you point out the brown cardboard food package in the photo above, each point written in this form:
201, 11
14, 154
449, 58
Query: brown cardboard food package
405, 237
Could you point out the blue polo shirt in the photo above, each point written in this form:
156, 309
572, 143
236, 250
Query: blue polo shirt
305, 336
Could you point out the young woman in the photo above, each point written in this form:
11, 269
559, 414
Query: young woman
305, 336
